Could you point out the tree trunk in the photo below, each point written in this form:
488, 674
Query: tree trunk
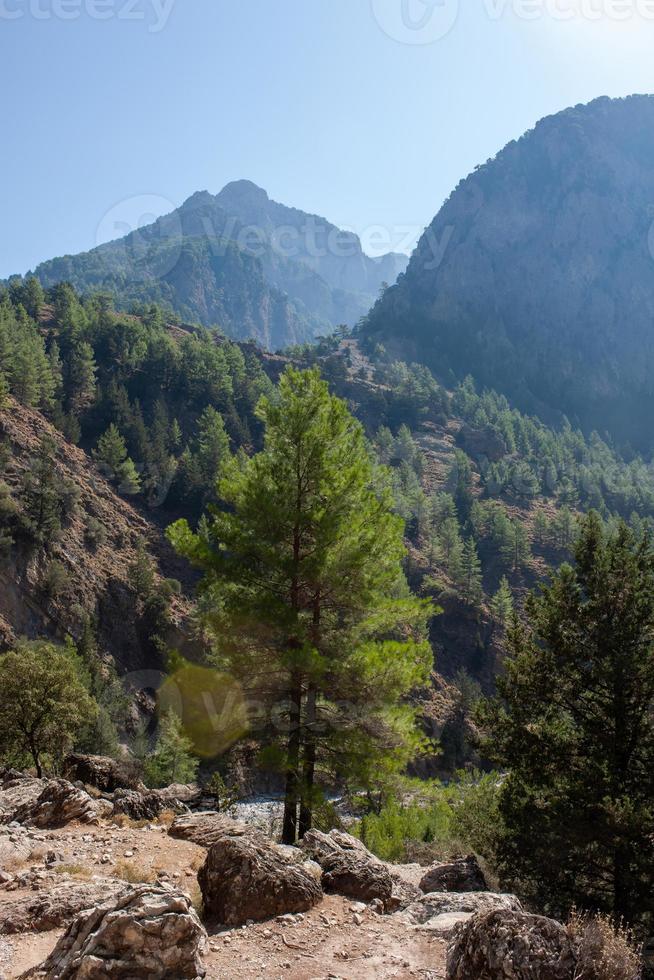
292, 794
308, 773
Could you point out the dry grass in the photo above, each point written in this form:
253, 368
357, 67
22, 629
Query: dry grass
74, 870
126, 823
606, 951
134, 874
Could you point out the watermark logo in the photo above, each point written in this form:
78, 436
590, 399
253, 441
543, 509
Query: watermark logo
145, 240
154, 13
416, 21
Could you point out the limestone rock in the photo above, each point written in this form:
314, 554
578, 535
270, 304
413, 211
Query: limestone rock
445, 925
463, 875
16, 789
246, 877
511, 946
147, 805
149, 933
352, 874
206, 829
321, 846
58, 804
455, 903
99, 771
56, 905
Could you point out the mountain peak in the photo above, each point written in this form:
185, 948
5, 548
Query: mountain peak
238, 191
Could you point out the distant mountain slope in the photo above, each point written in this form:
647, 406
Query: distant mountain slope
254, 267
537, 275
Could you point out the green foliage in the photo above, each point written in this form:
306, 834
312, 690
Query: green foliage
502, 603
304, 594
172, 760
574, 728
43, 703
439, 821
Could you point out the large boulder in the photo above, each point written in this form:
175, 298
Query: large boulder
147, 805
58, 804
428, 907
100, 771
149, 933
16, 789
462, 875
321, 846
504, 945
55, 905
352, 874
247, 877
207, 829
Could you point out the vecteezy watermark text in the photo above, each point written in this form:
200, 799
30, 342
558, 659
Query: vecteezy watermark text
154, 13
426, 21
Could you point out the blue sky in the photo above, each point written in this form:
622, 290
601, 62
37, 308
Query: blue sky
366, 111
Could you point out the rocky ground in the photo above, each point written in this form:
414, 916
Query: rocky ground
112, 880
337, 938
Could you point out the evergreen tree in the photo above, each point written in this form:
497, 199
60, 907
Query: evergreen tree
307, 602
574, 729
516, 551
471, 577
172, 760
42, 495
502, 603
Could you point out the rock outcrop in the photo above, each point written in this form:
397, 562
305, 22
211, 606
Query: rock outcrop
463, 875
352, 874
58, 804
99, 771
207, 829
427, 907
150, 933
350, 869
245, 877
55, 906
146, 805
511, 946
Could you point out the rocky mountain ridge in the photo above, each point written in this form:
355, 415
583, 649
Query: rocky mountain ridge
537, 275
240, 261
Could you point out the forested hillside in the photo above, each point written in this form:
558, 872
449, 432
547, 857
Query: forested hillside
489, 496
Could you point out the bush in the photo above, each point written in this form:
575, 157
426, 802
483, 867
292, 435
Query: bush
56, 581
437, 821
95, 533
606, 951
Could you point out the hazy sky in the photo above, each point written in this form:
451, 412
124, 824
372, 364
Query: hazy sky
366, 111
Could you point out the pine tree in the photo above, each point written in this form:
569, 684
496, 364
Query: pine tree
43, 508
471, 577
111, 456
516, 550
574, 729
307, 603
502, 603
172, 760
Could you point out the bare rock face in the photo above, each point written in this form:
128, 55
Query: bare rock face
58, 804
511, 946
354, 875
247, 877
463, 875
99, 771
149, 933
56, 905
146, 805
427, 907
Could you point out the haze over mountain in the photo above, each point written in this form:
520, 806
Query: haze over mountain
239, 260
537, 275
